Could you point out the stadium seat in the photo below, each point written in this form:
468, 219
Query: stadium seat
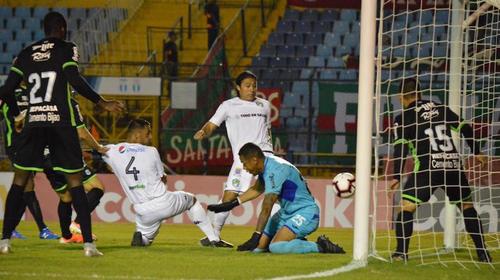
316, 61
303, 27
292, 15
80, 13
305, 51
306, 73
40, 12
276, 39
303, 109
349, 15
5, 57
5, 12
300, 86
351, 40
14, 23
310, 15
285, 111
22, 12
73, 23
270, 74
329, 15
5, 35
284, 27
324, 51
264, 83
14, 47
38, 35
400, 51
340, 27
439, 51
425, 17
295, 122
335, 62
278, 62
286, 51
289, 74
314, 39
284, 85
33, 24
328, 74
267, 51
348, 75
291, 99
322, 27
61, 10
342, 50
294, 39
24, 35
297, 62
442, 16
332, 40
355, 28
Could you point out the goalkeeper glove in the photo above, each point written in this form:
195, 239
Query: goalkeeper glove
224, 206
251, 243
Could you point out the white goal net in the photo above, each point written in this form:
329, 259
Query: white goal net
452, 48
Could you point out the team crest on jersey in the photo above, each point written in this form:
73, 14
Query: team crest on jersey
87, 172
259, 103
122, 149
235, 183
237, 171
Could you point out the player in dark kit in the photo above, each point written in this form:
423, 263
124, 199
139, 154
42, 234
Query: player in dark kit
11, 139
49, 67
424, 131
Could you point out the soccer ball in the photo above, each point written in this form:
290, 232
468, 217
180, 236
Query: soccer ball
344, 184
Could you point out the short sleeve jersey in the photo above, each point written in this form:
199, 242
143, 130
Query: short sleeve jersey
246, 121
139, 170
282, 178
41, 66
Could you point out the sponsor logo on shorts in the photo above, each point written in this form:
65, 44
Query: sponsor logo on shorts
236, 183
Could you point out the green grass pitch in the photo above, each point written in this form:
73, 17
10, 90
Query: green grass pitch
175, 254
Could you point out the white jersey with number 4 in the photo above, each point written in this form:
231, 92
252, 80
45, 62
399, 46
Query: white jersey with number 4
139, 170
246, 121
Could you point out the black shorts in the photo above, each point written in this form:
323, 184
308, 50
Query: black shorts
58, 180
63, 144
421, 185
11, 150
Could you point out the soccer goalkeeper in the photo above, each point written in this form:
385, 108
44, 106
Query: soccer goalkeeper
424, 130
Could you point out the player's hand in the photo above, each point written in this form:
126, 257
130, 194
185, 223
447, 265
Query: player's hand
19, 121
102, 149
251, 243
114, 106
483, 159
224, 206
200, 134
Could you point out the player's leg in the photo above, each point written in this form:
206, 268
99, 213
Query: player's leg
64, 212
95, 190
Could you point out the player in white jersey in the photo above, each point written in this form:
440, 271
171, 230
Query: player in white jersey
247, 119
140, 172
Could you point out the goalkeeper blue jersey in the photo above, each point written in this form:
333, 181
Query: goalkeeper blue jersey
282, 178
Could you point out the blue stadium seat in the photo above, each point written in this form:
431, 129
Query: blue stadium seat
300, 86
14, 23
264, 83
355, 28
14, 47
33, 24
289, 74
305, 51
340, 27
424, 50
303, 27
285, 111
295, 122
329, 15
425, 77
284, 85
61, 10
316, 61
439, 51
291, 99
351, 40
22, 12
310, 15
440, 33
284, 27
5, 57
324, 51
286, 51
314, 39
348, 75
5, 12
40, 12
342, 50
5, 35
332, 40
294, 39
425, 17
259, 61
24, 35
73, 23
276, 39
335, 62
278, 62
297, 62
348, 15
400, 51
322, 27
306, 73
38, 35
267, 51
442, 16
411, 37
80, 13
292, 15
328, 74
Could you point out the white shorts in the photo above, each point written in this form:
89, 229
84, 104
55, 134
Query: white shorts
150, 214
239, 180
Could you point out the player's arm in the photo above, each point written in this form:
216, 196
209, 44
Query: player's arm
8, 89
461, 126
85, 136
252, 193
207, 130
400, 150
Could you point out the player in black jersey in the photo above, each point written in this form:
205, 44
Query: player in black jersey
11, 138
424, 130
49, 67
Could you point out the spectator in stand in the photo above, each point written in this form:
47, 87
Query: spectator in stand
170, 56
213, 21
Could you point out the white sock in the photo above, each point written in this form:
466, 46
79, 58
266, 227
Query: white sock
199, 218
219, 221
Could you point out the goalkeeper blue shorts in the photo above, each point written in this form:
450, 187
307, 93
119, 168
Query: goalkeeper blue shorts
302, 223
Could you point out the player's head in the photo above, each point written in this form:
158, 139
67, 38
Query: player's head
252, 158
139, 131
54, 25
409, 90
246, 85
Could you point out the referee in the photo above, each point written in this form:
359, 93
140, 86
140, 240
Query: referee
49, 67
424, 130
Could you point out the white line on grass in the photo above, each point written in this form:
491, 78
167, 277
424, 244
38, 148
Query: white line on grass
89, 276
352, 266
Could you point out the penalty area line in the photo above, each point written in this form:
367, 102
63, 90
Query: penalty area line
346, 268
89, 276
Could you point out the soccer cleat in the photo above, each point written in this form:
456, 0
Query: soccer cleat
484, 256
137, 240
5, 246
205, 242
47, 234
17, 235
327, 247
90, 250
75, 238
74, 228
399, 257
221, 244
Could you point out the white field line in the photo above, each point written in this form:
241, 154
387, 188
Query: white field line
352, 266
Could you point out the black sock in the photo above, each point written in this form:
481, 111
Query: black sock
34, 206
13, 211
64, 211
81, 206
474, 227
93, 197
404, 230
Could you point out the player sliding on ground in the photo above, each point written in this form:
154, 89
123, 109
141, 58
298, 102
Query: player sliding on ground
298, 217
140, 171
424, 129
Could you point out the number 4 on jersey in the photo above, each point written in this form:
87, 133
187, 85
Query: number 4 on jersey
132, 171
